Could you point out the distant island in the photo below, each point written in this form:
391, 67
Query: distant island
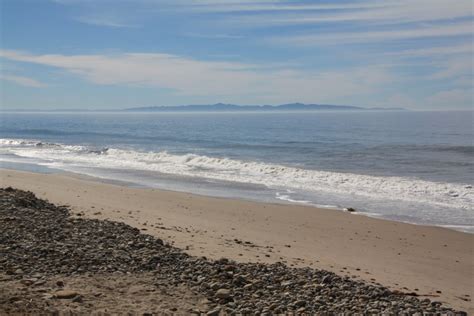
222, 107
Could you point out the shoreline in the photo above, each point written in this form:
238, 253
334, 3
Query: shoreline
277, 200
405, 257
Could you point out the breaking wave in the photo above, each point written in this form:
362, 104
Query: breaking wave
67, 157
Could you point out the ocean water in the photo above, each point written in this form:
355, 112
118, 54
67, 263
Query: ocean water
415, 167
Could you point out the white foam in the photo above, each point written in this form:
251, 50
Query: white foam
450, 195
17, 142
286, 197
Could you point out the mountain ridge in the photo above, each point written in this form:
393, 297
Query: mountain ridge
224, 107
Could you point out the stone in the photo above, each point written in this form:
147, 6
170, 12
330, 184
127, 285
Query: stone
223, 293
300, 303
65, 294
27, 282
214, 312
248, 286
43, 241
326, 279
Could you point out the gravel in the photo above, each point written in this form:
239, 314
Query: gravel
39, 238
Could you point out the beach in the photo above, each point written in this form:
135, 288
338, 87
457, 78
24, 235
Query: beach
276, 157
430, 261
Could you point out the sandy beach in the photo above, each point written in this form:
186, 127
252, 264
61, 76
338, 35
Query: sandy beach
431, 261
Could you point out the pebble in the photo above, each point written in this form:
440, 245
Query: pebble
214, 312
65, 294
223, 293
45, 240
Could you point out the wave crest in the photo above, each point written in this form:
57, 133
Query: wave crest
272, 175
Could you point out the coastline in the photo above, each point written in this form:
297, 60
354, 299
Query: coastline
404, 257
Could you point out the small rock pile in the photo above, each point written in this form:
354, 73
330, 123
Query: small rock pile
41, 238
37, 237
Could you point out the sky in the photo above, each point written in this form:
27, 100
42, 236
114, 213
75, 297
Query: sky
113, 54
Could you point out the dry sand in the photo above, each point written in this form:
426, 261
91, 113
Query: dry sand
431, 261
103, 294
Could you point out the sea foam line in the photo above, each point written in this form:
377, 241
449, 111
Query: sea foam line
451, 195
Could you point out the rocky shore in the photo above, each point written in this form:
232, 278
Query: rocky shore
42, 245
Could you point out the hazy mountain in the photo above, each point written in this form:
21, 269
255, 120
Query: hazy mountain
222, 107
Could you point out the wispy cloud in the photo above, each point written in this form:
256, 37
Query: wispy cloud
427, 31
23, 81
273, 6
385, 12
436, 51
105, 21
356, 21
455, 68
330, 43
193, 77
213, 36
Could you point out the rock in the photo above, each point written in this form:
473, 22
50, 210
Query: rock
300, 303
19, 271
44, 241
223, 293
204, 301
28, 282
247, 286
215, 285
39, 282
326, 279
214, 312
273, 306
65, 294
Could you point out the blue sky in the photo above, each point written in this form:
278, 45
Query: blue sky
107, 54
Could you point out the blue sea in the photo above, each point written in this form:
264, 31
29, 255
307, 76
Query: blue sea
408, 166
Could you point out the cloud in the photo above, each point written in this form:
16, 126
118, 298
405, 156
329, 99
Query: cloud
449, 30
186, 76
385, 12
325, 23
105, 21
436, 51
454, 68
270, 6
266, 12
23, 81
213, 36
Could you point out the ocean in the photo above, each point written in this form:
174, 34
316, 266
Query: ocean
408, 166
